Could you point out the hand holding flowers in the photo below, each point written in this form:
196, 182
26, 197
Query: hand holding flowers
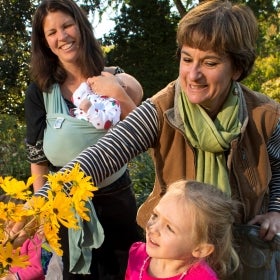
20, 221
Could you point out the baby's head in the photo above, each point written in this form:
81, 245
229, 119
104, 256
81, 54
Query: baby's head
132, 87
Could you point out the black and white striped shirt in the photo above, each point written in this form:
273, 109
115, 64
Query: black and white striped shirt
139, 132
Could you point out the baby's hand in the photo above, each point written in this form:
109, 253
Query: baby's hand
106, 84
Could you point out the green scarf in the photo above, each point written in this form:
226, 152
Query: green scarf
211, 139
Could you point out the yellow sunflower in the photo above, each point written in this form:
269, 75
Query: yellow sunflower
16, 189
51, 234
10, 257
11, 211
60, 210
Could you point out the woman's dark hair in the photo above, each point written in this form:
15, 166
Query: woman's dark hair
224, 28
45, 67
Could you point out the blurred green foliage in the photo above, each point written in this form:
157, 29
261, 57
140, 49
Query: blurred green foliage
143, 175
12, 148
265, 77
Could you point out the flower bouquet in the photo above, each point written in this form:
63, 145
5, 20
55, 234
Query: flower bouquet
46, 213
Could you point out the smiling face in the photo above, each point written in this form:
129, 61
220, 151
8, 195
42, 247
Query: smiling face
170, 230
62, 36
206, 77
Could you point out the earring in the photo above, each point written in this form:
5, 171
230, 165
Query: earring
235, 88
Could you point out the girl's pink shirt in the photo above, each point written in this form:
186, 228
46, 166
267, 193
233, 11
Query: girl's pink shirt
137, 256
32, 248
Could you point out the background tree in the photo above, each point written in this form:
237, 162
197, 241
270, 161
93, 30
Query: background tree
266, 73
144, 41
14, 54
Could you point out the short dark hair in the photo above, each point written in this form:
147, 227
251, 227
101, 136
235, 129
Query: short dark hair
224, 28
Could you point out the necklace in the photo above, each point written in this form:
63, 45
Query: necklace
144, 266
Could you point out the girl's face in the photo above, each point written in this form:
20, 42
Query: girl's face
170, 230
62, 35
206, 77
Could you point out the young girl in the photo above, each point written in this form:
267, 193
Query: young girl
189, 236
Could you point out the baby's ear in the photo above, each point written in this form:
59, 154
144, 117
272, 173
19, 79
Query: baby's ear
203, 250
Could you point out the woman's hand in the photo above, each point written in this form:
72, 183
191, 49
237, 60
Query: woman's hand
17, 234
269, 224
20, 231
108, 85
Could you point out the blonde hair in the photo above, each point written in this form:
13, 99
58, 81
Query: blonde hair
214, 213
224, 28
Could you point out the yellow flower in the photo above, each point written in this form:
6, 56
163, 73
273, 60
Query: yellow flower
81, 209
15, 188
51, 234
11, 211
10, 257
56, 181
60, 210
36, 205
81, 191
76, 178
2, 232
82, 185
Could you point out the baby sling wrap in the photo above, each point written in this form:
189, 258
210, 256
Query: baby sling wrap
64, 138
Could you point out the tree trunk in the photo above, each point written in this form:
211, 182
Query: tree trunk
180, 7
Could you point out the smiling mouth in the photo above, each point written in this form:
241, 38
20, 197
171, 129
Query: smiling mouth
197, 86
67, 46
152, 242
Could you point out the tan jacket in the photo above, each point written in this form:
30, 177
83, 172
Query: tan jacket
248, 161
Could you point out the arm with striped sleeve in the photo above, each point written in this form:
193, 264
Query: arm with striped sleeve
130, 137
273, 148
270, 222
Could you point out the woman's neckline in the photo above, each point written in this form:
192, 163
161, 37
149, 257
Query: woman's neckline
69, 87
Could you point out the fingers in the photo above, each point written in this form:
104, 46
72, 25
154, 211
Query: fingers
269, 224
17, 227
253, 221
106, 84
264, 230
90, 81
19, 240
